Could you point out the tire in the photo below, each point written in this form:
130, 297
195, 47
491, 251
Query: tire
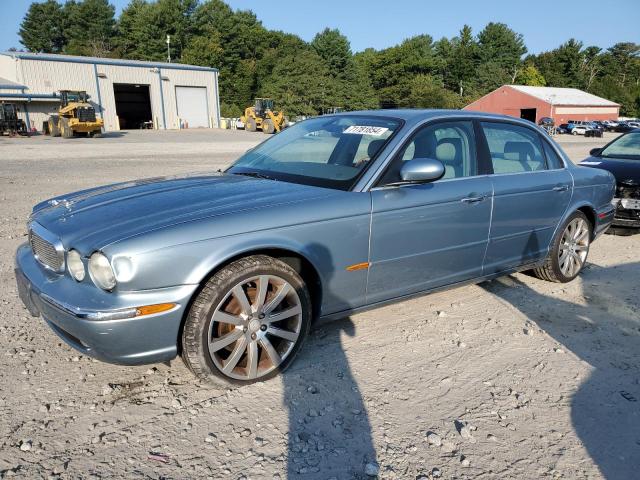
573, 132
66, 131
268, 127
54, 129
219, 338
250, 125
574, 238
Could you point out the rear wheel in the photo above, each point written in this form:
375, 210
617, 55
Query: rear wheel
569, 251
248, 322
250, 125
54, 129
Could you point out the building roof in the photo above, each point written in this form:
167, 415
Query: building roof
565, 96
9, 85
54, 57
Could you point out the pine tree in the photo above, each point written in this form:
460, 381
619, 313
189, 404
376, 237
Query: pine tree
42, 27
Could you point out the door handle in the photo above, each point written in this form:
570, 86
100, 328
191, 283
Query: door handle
561, 188
473, 199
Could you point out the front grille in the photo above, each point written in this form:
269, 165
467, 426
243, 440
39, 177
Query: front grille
86, 114
45, 252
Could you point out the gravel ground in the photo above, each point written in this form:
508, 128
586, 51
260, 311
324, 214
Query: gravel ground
511, 379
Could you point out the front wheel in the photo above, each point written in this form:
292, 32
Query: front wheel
569, 251
248, 322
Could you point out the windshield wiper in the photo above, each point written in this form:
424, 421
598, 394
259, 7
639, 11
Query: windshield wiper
254, 175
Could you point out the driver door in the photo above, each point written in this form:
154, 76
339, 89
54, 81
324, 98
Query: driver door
428, 235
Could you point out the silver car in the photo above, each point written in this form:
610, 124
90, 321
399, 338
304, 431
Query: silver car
334, 215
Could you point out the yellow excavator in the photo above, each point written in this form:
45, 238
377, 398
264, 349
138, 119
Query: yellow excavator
75, 115
262, 116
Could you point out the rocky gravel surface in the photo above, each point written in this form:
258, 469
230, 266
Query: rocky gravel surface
511, 379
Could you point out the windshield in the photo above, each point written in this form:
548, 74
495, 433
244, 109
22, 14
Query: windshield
324, 151
76, 96
627, 146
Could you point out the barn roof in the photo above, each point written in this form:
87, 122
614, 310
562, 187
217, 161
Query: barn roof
565, 96
54, 57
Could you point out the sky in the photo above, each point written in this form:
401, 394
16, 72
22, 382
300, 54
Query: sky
383, 23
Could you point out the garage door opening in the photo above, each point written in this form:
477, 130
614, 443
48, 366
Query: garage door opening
528, 114
133, 106
193, 110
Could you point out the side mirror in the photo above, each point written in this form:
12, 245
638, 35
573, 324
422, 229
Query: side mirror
594, 152
421, 170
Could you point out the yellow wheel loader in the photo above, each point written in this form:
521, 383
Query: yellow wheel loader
262, 116
75, 115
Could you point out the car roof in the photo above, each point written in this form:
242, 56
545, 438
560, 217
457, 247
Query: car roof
410, 114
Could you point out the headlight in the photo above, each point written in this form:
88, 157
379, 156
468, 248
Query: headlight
75, 265
101, 271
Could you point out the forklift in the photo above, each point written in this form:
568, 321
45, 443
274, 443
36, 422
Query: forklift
10, 124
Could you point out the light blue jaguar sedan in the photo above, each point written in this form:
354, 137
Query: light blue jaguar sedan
334, 215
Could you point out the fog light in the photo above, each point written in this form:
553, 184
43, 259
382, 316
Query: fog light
75, 265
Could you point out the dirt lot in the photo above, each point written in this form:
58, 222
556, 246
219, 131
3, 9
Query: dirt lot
515, 378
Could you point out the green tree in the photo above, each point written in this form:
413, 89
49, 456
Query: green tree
335, 50
90, 27
143, 28
530, 75
461, 61
41, 29
426, 91
503, 48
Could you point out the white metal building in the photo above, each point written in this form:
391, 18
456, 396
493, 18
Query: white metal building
127, 94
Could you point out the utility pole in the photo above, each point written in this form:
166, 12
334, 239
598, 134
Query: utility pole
169, 48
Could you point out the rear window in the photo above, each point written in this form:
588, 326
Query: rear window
513, 149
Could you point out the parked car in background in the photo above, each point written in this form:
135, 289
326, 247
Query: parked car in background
623, 127
577, 129
621, 157
337, 214
609, 125
562, 128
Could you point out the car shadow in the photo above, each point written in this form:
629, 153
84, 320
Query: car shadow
329, 432
604, 331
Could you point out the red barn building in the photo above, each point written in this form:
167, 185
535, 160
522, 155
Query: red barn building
533, 103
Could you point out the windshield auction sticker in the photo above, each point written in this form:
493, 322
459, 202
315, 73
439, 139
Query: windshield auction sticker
366, 130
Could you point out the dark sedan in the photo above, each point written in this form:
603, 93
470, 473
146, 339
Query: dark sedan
621, 157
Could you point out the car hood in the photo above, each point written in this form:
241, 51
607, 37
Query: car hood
92, 219
625, 171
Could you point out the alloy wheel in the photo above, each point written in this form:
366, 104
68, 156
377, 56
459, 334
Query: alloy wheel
574, 247
255, 327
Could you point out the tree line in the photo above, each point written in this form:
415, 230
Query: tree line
307, 78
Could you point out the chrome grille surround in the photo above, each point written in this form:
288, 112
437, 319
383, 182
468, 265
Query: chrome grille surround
46, 248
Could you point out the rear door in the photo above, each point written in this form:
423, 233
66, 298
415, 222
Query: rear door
193, 109
531, 193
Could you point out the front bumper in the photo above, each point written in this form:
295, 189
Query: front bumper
87, 318
626, 217
79, 126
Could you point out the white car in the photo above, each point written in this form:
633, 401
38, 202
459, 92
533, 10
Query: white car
579, 130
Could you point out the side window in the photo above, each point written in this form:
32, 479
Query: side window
553, 161
513, 148
452, 143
